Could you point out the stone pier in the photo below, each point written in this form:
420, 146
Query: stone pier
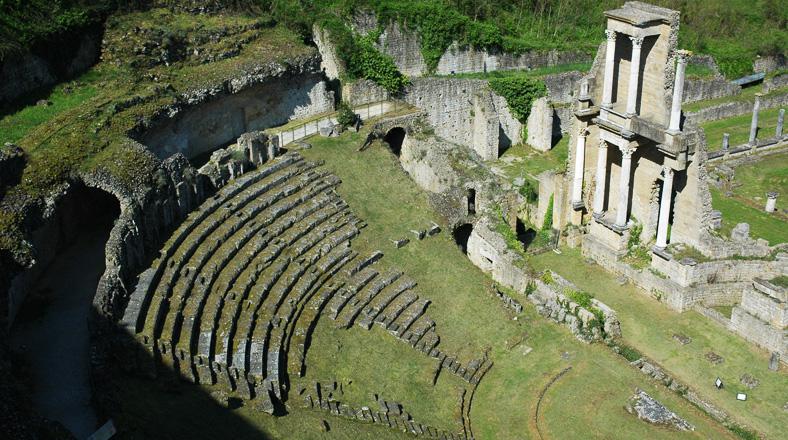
754, 124
664, 207
678, 91
725, 142
771, 202
577, 183
601, 176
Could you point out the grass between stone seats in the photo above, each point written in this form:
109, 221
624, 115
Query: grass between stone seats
522, 160
649, 326
748, 199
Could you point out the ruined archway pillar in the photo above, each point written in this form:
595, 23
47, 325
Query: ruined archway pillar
610, 54
678, 91
664, 207
634, 76
580, 156
601, 177
623, 191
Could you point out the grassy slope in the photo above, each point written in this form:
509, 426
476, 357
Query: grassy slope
87, 131
649, 326
469, 319
748, 200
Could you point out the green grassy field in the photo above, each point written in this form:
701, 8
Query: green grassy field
739, 128
523, 161
649, 326
470, 320
748, 198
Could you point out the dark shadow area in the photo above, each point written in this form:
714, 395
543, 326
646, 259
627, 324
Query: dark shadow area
461, 235
471, 200
504, 141
50, 333
524, 234
394, 139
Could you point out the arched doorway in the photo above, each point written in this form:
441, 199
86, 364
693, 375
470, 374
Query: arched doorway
461, 235
394, 139
50, 331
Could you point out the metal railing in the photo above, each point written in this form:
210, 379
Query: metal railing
364, 112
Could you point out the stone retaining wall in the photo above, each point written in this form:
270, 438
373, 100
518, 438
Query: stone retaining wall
702, 89
731, 109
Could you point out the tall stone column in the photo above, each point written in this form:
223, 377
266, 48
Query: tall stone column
678, 91
580, 160
623, 187
664, 207
634, 75
754, 124
610, 56
780, 119
601, 177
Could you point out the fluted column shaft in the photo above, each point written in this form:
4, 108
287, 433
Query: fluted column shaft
601, 177
634, 76
664, 207
610, 54
623, 187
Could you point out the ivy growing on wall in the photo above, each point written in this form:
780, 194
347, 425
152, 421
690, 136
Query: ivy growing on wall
520, 93
361, 58
366, 61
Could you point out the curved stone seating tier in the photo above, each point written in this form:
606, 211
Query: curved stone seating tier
239, 288
200, 225
225, 238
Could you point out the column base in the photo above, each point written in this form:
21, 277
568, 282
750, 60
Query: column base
673, 132
578, 205
660, 252
619, 228
598, 216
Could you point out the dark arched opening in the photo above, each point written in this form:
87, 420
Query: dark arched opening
50, 331
394, 139
471, 201
461, 235
525, 235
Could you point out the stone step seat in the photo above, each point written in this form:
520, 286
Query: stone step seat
395, 309
382, 301
318, 210
234, 271
417, 331
245, 287
363, 298
268, 211
408, 317
277, 338
313, 306
238, 338
260, 322
357, 282
204, 238
305, 327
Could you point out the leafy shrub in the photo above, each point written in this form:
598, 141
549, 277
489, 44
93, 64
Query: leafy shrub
547, 224
547, 277
368, 62
582, 298
345, 115
629, 353
529, 191
520, 93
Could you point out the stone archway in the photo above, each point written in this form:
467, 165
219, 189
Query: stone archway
50, 331
394, 138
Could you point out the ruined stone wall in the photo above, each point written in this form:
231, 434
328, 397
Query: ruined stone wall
363, 91
731, 109
404, 46
221, 118
466, 59
702, 89
330, 62
775, 82
464, 111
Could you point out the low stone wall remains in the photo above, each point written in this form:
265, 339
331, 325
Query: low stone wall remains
731, 109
